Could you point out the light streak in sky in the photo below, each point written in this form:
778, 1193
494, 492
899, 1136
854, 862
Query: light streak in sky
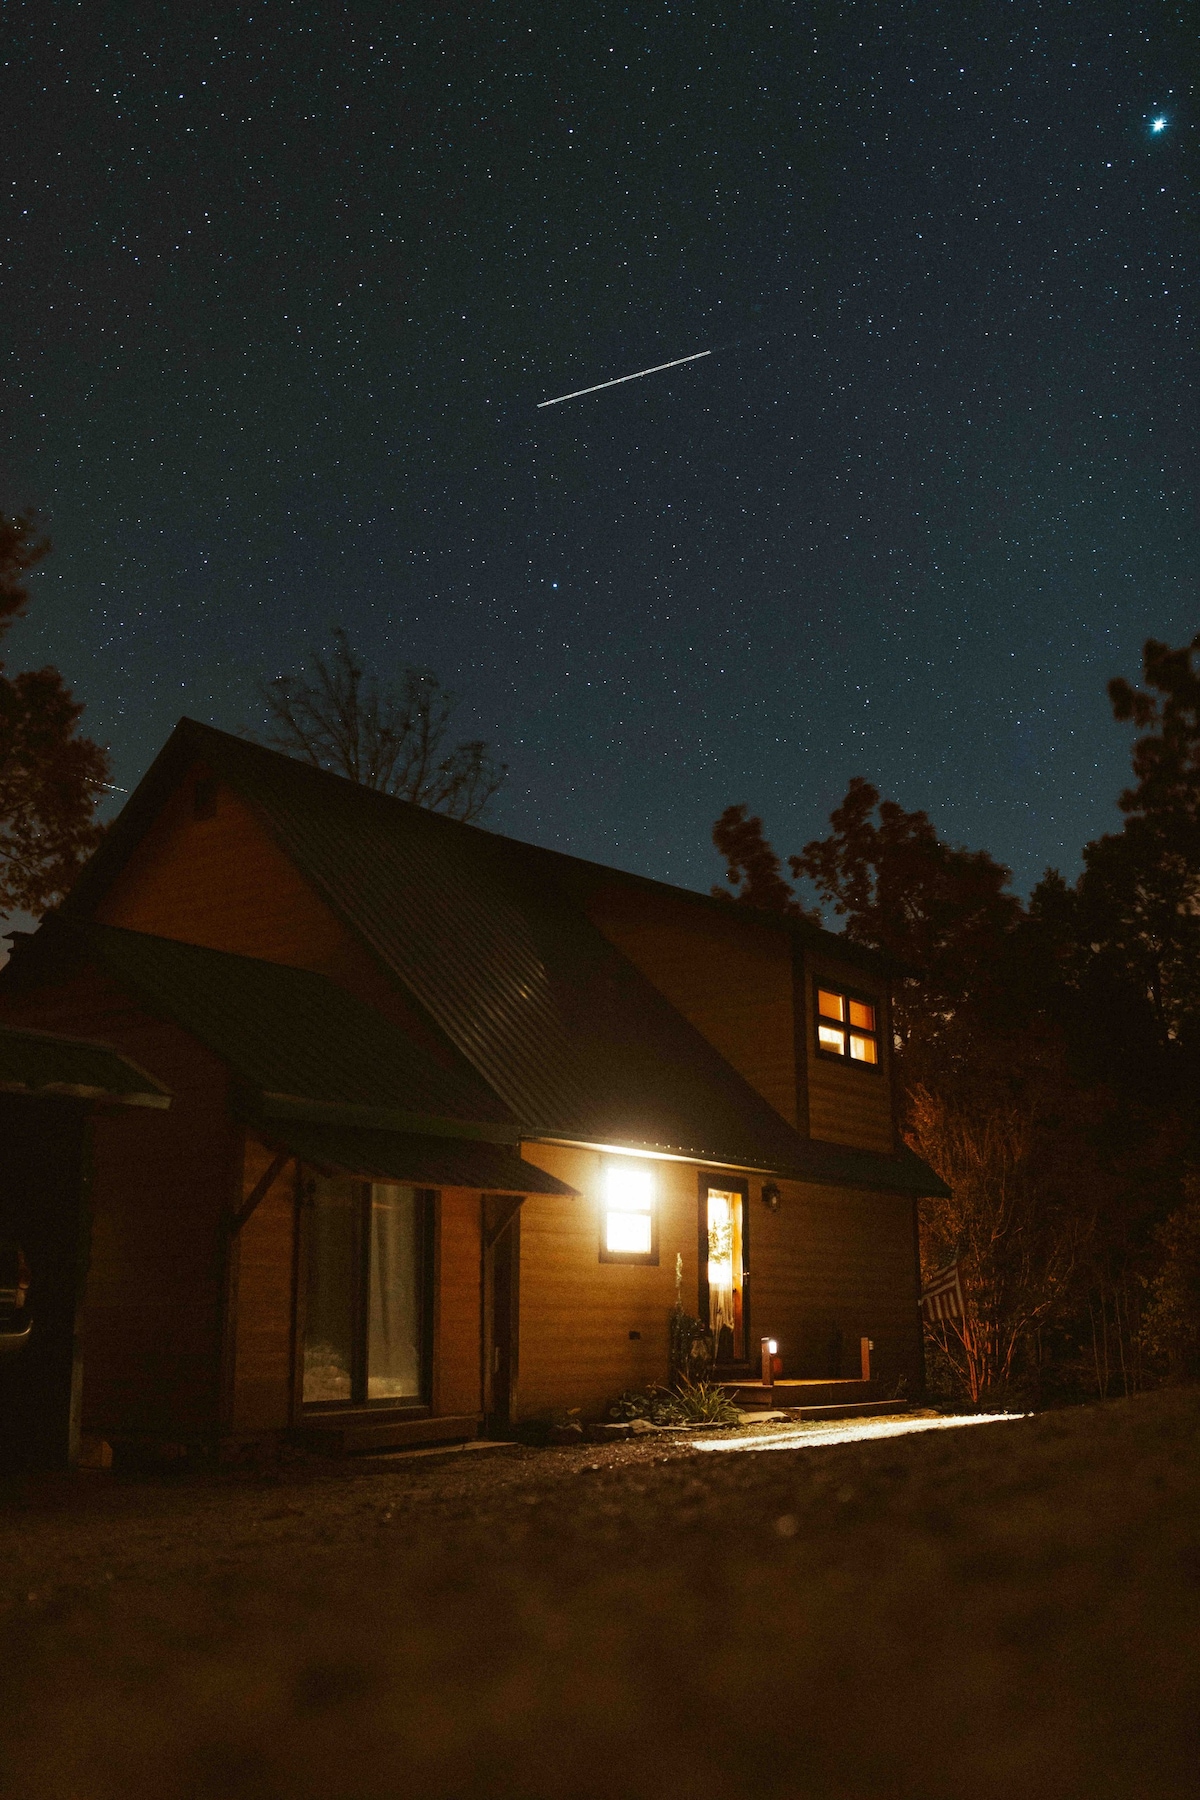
636, 376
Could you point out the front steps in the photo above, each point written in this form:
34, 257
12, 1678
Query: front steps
344, 1434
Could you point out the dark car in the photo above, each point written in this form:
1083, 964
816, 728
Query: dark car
15, 1318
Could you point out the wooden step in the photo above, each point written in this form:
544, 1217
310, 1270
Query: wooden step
341, 1435
800, 1393
850, 1409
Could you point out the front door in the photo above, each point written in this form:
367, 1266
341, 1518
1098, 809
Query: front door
724, 1265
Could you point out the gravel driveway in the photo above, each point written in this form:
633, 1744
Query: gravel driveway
1006, 1610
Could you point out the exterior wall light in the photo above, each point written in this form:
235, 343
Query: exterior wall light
771, 1196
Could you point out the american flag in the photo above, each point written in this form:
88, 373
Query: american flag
942, 1298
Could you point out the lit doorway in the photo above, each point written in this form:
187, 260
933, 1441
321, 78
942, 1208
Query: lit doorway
724, 1265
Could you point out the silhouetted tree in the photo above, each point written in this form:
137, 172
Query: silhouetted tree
21, 549
394, 739
753, 867
50, 777
1139, 894
946, 915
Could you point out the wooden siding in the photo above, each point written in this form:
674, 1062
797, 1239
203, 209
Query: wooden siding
457, 1344
729, 975
829, 1259
837, 1264
577, 1312
263, 1346
848, 1105
153, 1309
223, 882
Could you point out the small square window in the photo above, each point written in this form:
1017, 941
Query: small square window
855, 1035
629, 1221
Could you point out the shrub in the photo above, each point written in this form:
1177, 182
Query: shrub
1171, 1323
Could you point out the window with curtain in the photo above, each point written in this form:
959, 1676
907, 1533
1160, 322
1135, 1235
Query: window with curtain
366, 1292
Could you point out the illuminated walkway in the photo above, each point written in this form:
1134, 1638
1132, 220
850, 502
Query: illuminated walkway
846, 1431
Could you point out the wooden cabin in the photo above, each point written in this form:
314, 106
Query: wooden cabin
455, 1121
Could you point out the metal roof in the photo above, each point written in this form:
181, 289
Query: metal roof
303, 1045
42, 1065
574, 1040
408, 1157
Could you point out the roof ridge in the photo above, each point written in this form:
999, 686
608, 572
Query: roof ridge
803, 928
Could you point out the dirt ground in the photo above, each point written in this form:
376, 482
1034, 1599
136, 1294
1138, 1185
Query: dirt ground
1003, 1610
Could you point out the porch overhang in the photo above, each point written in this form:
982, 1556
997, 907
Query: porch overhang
409, 1157
43, 1065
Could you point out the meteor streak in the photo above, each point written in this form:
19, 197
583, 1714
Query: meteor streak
636, 376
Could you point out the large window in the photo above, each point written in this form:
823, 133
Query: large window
847, 1026
366, 1292
629, 1213
724, 1264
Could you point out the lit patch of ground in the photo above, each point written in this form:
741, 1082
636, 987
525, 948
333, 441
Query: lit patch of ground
849, 1431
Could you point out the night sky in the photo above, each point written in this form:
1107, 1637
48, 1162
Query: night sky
283, 285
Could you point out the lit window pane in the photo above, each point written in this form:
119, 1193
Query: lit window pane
862, 1015
863, 1049
829, 1005
829, 1039
628, 1189
394, 1305
329, 1311
627, 1233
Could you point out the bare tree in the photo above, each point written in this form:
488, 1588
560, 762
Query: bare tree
391, 739
1016, 1240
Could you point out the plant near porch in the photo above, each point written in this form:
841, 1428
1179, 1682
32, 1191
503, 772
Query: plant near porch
687, 1403
690, 1347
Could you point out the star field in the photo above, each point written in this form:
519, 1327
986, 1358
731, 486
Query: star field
283, 284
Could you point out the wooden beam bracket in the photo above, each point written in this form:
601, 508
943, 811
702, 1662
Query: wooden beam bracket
492, 1238
259, 1191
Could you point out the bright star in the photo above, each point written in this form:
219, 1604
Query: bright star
1159, 124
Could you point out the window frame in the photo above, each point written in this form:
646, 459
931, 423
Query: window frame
417, 1406
846, 995
646, 1259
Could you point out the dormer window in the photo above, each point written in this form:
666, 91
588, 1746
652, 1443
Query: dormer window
847, 1026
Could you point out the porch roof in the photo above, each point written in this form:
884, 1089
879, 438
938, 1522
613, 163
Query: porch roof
45, 1065
410, 1157
302, 1047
